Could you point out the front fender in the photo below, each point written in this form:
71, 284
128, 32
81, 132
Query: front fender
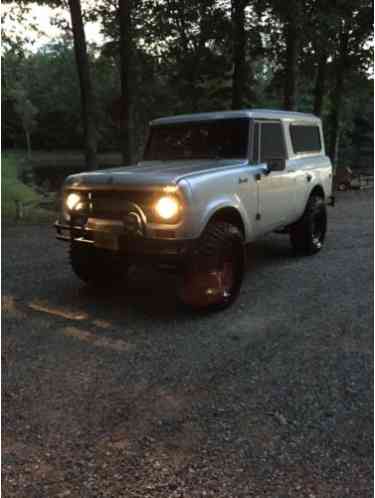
209, 193
213, 207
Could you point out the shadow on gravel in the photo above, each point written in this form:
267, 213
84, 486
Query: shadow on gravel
147, 294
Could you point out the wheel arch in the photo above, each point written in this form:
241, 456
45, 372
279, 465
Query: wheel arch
318, 191
231, 215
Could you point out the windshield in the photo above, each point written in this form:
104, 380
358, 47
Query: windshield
222, 138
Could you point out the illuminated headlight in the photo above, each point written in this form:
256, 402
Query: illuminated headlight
167, 208
73, 201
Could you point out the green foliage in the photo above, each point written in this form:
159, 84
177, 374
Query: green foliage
51, 81
26, 111
182, 61
12, 189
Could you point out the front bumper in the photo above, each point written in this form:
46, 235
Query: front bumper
168, 251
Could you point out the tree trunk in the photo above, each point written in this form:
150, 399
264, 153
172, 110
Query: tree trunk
337, 94
87, 98
334, 118
320, 84
28, 143
125, 65
291, 69
239, 53
198, 60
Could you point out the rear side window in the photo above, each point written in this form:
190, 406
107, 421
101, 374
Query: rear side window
305, 138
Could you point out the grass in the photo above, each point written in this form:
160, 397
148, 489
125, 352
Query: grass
54, 165
14, 191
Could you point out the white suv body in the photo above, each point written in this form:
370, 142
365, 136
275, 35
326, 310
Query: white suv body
266, 202
255, 169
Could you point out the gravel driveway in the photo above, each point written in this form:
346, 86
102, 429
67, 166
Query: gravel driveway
123, 394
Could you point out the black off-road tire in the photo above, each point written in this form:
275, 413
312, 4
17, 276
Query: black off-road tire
308, 234
218, 238
97, 267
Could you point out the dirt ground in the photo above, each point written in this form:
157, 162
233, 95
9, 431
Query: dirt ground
123, 394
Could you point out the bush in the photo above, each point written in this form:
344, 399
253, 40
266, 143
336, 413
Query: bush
14, 192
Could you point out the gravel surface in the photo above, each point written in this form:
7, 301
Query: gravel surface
123, 394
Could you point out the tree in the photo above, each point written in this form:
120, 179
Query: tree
87, 98
198, 51
239, 52
320, 83
125, 49
337, 93
284, 28
12, 38
27, 112
351, 55
292, 34
177, 56
322, 26
82, 63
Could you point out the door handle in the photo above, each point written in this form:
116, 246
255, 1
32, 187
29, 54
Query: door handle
242, 180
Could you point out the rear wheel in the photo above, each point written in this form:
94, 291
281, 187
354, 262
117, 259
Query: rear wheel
98, 267
308, 234
212, 280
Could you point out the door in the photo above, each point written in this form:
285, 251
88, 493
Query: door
276, 183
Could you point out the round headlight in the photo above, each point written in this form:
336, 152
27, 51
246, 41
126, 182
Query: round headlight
72, 201
167, 207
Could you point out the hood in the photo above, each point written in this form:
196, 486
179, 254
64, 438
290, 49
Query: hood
151, 173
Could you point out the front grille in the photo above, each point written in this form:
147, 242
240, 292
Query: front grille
115, 205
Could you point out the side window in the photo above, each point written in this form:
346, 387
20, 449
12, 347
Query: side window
305, 138
272, 143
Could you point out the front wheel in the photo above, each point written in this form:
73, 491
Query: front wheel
213, 278
308, 234
97, 267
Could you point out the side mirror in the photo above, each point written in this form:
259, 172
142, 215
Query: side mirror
276, 164
266, 170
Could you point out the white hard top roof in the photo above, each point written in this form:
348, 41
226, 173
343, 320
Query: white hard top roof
245, 113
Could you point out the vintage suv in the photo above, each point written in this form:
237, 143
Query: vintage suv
208, 184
